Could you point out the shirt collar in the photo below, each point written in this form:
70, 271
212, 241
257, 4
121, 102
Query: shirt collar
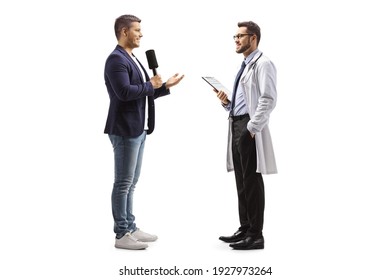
251, 56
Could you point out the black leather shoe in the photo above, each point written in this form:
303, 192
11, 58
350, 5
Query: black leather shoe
237, 236
248, 243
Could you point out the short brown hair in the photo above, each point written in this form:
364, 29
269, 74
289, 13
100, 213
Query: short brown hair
124, 21
252, 28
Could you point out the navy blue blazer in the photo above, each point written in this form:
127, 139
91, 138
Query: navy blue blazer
128, 94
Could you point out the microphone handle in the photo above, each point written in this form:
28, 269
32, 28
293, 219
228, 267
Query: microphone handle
154, 71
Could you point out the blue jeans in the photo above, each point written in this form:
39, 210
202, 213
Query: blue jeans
128, 153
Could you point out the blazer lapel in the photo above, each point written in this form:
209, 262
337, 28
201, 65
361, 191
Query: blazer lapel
133, 63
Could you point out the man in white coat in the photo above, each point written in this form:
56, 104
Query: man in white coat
250, 152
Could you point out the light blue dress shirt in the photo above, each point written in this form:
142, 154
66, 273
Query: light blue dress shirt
240, 106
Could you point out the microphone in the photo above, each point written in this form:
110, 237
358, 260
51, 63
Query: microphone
152, 61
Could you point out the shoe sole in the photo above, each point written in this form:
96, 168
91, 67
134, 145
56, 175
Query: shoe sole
231, 241
133, 248
250, 248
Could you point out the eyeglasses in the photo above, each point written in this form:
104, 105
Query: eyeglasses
239, 36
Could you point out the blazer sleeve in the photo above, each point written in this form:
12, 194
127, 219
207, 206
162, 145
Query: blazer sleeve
162, 91
125, 83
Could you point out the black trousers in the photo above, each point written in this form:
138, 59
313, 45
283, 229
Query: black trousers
250, 185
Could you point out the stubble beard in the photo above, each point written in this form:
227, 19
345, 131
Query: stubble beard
243, 48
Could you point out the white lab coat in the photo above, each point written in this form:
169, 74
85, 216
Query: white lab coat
259, 84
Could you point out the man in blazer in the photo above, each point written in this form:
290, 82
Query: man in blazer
130, 118
250, 151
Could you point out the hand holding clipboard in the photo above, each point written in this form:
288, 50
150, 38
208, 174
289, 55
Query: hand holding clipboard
221, 90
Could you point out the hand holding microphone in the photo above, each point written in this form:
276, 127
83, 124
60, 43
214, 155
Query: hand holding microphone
156, 81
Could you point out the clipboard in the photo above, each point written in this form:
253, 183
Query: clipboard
215, 84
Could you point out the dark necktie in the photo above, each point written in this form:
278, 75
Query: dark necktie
236, 86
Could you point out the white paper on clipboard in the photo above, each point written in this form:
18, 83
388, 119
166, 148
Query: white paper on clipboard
216, 84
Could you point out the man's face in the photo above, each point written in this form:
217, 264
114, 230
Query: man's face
134, 35
242, 40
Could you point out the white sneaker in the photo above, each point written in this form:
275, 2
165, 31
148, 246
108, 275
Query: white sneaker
143, 236
128, 241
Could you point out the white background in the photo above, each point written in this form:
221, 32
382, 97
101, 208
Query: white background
327, 211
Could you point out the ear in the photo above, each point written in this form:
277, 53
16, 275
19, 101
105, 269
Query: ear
124, 31
254, 37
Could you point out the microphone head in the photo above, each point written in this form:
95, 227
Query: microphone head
152, 61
